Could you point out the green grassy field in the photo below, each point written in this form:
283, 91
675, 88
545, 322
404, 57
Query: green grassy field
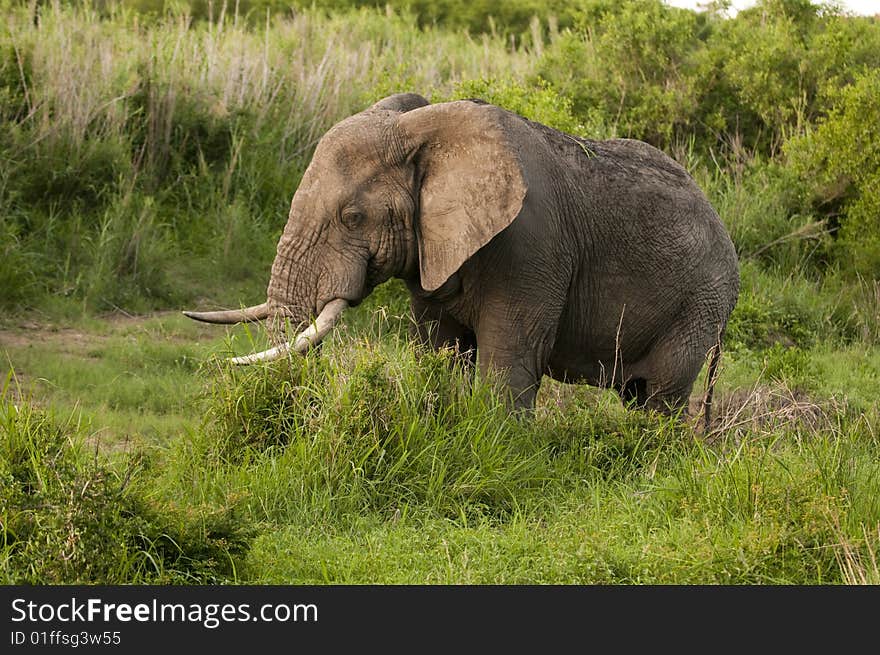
130, 452
364, 464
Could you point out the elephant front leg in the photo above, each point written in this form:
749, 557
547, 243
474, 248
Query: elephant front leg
518, 369
517, 335
437, 329
519, 381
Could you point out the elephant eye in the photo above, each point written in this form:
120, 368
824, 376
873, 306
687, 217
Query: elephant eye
352, 218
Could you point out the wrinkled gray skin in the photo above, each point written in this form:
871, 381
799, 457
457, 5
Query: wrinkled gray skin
545, 254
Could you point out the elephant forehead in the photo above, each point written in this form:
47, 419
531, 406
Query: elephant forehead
329, 185
356, 140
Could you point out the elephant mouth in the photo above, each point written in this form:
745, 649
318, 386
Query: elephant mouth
278, 311
352, 302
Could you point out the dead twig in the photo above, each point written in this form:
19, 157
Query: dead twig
815, 230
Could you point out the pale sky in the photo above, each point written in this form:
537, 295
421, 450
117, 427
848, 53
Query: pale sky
864, 7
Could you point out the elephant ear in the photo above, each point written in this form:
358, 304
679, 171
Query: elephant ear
401, 102
472, 182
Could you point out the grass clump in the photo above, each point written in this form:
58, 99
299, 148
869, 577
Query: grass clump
377, 426
781, 508
70, 518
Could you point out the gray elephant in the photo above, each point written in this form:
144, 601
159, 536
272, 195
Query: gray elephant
536, 252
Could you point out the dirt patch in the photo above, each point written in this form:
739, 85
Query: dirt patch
76, 340
765, 408
63, 340
124, 318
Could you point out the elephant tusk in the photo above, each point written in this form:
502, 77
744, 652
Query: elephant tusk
306, 339
246, 315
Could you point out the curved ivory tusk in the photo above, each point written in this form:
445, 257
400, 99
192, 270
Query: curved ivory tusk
309, 337
246, 315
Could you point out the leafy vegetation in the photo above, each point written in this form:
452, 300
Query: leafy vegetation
148, 153
841, 159
68, 518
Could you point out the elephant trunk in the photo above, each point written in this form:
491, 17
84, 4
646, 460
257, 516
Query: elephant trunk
306, 339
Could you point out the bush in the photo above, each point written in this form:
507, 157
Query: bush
378, 426
789, 365
63, 176
791, 309
17, 266
68, 518
773, 70
840, 162
667, 75
623, 66
537, 101
760, 203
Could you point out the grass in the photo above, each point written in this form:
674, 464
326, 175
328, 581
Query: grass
141, 155
70, 517
123, 378
371, 462
732, 519
130, 452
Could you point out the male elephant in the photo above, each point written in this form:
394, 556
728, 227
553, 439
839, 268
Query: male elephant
536, 251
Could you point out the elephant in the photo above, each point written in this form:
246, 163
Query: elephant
531, 251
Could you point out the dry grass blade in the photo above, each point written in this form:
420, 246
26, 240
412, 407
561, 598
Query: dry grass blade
763, 408
857, 568
815, 230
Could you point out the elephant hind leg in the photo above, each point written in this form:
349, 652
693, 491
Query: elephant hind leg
672, 367
633, 392
670, 403
640, 393
671, 376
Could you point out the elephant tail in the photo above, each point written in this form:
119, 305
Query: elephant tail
711, 377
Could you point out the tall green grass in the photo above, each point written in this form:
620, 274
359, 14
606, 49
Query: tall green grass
371, 461
68, 516
142, 155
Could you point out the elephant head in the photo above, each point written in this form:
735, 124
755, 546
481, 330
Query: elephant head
403, 189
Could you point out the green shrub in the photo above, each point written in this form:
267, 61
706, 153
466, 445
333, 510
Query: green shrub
17, 266
69, 518
761, 206
536, 101
131, 257
789, 365
767, 64
774, 69
737, 84
624, 66
176, 136
63, 175
512, 18
377, 425
840, 161
773, 310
